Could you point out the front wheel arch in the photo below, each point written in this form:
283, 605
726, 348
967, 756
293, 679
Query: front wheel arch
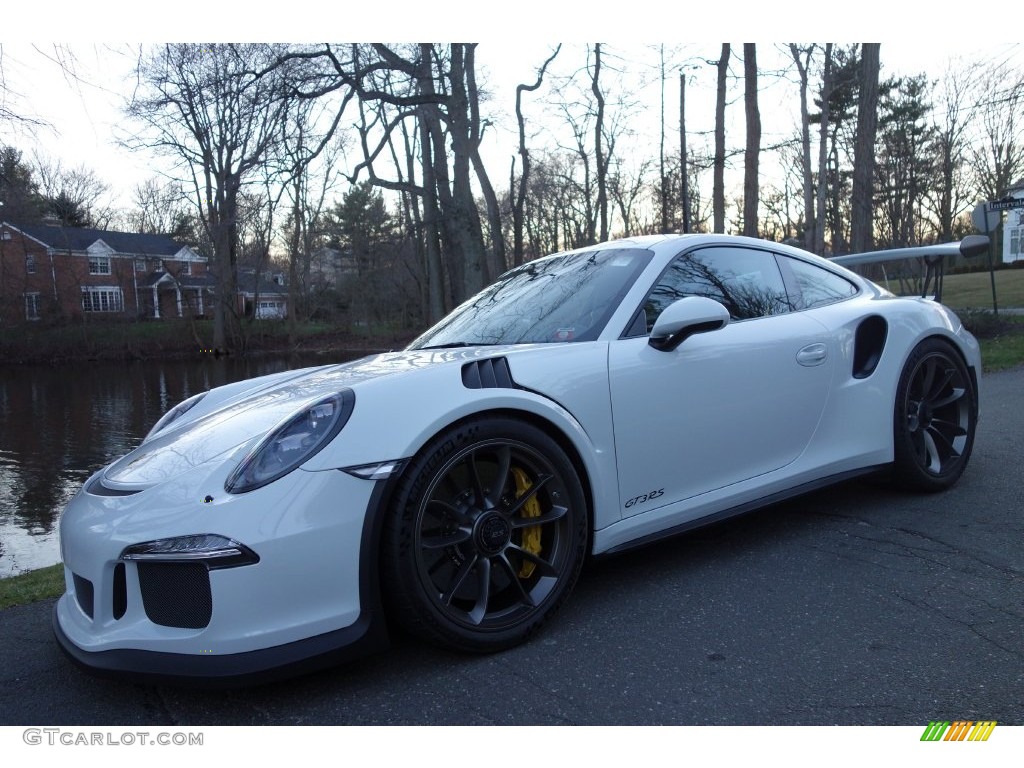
433, 607
553, 431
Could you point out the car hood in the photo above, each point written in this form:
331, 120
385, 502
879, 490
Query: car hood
234, 422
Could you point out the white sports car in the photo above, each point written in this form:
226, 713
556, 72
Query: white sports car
586, 402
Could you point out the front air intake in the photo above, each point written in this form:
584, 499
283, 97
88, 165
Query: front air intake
83, 594
176, 594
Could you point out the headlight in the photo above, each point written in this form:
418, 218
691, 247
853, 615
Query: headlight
292, 443
177, 411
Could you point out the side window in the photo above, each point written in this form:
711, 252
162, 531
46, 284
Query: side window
817, 286
746, 281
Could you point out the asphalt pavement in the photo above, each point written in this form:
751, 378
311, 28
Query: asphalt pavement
856, 605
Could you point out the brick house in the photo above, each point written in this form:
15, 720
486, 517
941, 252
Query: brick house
55, 272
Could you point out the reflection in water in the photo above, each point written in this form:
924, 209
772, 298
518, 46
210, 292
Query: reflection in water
59, 424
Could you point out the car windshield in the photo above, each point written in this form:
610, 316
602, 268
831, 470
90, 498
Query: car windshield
568, 297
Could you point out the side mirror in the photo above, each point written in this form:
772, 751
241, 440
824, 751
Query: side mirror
682, 319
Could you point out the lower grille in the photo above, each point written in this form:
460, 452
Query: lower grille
120, 591
83, 593
176, 594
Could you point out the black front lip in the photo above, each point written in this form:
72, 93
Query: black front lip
263, 665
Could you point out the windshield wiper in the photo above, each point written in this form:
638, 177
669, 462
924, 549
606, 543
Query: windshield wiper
459, 344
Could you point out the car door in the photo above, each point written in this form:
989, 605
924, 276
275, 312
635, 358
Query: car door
726, 405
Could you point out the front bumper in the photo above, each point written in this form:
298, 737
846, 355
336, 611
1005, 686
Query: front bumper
311, 600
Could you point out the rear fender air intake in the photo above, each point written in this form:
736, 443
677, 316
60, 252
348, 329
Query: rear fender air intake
868, 345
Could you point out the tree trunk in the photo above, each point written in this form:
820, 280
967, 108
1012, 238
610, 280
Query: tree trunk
599, 156
718, 185
751, 188
684, 186
462, 220
431, 208
861, 220
826, 95
805, 144
518, 195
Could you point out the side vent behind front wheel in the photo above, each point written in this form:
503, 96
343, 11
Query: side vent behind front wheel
492, 373
868, 346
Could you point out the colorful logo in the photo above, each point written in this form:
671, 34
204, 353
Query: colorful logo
961, 730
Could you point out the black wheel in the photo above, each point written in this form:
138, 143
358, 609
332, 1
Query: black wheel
487, 535
936, 413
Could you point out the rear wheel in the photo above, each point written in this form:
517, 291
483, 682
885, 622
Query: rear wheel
487, 535
935, 417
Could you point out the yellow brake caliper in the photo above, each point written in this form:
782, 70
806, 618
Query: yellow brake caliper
531, 534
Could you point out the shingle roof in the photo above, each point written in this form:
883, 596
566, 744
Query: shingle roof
247, 284
79, 239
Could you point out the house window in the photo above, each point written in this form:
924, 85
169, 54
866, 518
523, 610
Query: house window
102, 299
99, 265
140, 265
32, 306
30, 263
1015, 233
186, 268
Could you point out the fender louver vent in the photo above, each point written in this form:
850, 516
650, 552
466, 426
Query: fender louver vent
492, 373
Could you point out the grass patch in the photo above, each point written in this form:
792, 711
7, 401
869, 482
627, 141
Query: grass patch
1001, 338
1002, 352
32, 586
974, 289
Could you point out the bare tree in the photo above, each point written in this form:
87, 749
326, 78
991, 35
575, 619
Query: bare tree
161, 207
601, 158
862, 221
77, 197
432, 87
517, 191
827, 86
951, 195
997, 156
802, 59
216, 108
751, 185
11, 110
718, 188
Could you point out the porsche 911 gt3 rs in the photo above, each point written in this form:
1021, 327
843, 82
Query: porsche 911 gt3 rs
584, 403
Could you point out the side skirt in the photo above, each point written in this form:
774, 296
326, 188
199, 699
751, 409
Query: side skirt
749, 506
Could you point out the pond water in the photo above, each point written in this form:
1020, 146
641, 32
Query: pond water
59, 424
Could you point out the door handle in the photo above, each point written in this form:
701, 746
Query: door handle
812, 354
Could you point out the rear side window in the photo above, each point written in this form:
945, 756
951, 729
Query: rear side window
816, 287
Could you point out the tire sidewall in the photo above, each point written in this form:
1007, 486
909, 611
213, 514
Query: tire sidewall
907, 471
405, 590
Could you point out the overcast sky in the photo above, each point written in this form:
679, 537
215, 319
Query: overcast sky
84, 112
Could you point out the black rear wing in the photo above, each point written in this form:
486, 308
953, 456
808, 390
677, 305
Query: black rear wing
933, 257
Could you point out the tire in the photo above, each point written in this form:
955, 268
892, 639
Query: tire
486, 536
935, 417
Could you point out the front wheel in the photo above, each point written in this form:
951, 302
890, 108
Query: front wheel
486, 537
935, 416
